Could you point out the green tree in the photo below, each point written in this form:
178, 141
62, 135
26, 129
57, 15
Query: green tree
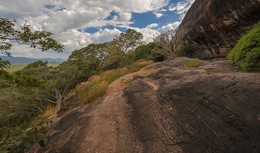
150, 51
11, 33
124, 43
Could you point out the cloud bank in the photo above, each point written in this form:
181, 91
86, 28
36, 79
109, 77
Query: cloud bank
68, 19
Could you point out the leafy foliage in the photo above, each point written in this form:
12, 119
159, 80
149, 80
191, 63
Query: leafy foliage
4, 64
11, 33
246, 53
151, 51
182, 50
18, 139
23, 35
124, 43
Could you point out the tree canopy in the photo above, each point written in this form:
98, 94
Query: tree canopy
12, 33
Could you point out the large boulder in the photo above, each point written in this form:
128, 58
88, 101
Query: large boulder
212, 27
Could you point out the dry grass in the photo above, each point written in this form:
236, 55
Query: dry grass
97, 85
49, 111
194, 63
149, 72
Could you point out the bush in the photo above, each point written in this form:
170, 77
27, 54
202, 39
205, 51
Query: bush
246, 53
182, 50
149, 51
18, 139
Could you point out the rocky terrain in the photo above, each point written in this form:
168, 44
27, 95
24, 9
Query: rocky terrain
211, 28
212, 108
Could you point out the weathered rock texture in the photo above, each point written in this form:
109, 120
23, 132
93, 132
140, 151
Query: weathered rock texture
209, 109
212, 27
213, 108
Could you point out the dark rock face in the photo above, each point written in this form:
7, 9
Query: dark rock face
210, 109
212, 27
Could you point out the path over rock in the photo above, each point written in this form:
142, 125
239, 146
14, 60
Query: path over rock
102, 126
212, 108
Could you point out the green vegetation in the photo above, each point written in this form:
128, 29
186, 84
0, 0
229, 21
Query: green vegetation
97, 85
18, 139
19, 66
194, 63
10, 33
246, 53
30, 92
15, 67
182, 50
149, 51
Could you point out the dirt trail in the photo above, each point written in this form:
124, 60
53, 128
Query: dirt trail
122, 82
212, 108
102, 126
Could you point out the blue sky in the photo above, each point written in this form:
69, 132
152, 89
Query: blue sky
78, 23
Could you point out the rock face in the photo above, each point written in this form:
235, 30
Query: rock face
209, 109
212, 27
212, 108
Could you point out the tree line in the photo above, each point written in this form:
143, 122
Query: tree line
26, 93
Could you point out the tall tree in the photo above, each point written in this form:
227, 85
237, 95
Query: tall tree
125, 42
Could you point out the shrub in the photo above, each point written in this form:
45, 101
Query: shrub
18, 139
149, 51
97, 85
246, 53
194, 63
182, 50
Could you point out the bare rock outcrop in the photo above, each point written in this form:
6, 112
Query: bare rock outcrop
212, 108
212, 27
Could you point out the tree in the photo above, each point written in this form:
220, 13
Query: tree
150, 51
125, 42
11, 33
128, 40
63, 79
170, 41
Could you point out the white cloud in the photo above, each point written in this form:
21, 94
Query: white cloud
149, 34
158, 14
72, 39
170, 26
181, 7
64, 17
151, 26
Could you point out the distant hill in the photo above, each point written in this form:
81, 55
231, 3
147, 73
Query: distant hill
26, 60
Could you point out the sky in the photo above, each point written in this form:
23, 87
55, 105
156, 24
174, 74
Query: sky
77, 23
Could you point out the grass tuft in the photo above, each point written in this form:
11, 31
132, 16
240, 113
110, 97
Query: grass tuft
97, 85
194, 63
49, 111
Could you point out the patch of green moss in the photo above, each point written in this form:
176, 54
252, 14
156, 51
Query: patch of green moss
194, 63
